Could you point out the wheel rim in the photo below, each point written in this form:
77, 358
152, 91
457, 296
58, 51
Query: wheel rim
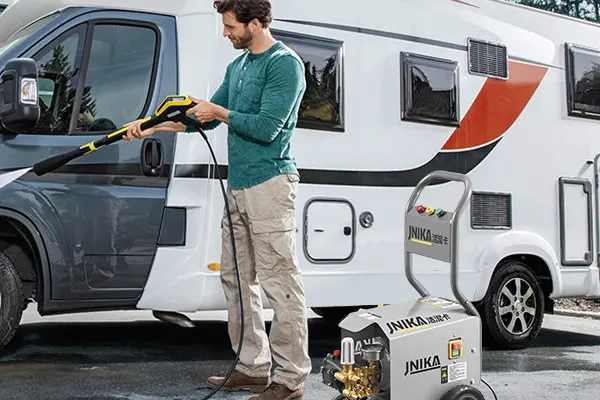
517, 306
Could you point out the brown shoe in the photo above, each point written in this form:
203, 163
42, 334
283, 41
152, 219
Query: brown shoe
238, 381
279, 392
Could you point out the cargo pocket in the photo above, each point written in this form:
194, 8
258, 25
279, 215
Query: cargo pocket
274, 244
284, 191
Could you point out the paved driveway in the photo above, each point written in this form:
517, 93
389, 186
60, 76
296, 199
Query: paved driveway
130, 356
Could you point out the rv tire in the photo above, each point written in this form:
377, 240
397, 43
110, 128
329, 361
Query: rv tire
510, 319
11, 300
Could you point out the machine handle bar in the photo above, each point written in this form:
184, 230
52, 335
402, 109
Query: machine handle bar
454, 270
449, 176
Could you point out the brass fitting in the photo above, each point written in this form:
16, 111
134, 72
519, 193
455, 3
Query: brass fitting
359, 382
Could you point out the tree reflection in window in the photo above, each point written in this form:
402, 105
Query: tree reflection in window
117, 82
58, 69
584, 78
321, 102
430, 90
587, 91
321, 106
427, 101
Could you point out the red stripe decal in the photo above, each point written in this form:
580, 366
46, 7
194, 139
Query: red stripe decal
465, 3
497, 107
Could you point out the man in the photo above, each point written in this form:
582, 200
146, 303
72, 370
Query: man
259, 101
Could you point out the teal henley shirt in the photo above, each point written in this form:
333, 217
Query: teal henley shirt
263, 92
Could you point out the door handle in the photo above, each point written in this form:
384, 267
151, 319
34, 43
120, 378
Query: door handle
152, 157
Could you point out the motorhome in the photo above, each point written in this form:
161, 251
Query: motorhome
506, 94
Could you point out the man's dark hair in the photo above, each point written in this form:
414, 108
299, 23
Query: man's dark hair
246, 10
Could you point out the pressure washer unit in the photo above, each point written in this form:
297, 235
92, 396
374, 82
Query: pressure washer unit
423, 349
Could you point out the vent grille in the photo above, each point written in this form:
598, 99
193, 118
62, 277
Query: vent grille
488, 59
491, 211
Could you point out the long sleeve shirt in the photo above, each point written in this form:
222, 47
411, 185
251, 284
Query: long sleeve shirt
263, 92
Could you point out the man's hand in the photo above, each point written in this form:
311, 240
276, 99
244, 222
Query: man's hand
205, 111
134, 131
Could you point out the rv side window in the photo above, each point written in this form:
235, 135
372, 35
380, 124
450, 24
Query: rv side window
429, 90
118, 77
58, 65
322, 105
583, 81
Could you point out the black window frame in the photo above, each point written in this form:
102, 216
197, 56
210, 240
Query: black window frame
408, 59
340, 127
84, 63
573, 109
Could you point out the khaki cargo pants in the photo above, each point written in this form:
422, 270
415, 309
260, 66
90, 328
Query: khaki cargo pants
264, 222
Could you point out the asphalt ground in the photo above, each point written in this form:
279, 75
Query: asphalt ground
131, 356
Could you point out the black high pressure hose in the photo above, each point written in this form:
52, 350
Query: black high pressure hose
198, 125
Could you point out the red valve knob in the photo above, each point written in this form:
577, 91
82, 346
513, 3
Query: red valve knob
420, 209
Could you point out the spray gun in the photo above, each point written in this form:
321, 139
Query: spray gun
172, 108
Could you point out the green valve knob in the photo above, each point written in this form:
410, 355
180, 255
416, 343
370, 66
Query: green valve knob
439, 212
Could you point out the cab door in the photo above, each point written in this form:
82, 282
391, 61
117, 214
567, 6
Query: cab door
97, 72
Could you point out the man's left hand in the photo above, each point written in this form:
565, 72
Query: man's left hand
205, 111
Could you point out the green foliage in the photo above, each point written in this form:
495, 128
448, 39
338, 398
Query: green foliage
588, 10
320, 102
56, 118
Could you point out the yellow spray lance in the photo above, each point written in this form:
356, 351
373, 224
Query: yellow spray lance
172, 108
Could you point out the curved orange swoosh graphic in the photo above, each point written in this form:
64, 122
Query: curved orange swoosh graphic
497, 107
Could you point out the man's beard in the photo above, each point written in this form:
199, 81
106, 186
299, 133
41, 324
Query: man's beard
244, 41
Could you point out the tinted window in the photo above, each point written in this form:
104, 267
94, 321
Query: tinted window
430, 90
321, 106
58, 66
583, 77
118, 77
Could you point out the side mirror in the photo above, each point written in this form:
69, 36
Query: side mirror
20, 103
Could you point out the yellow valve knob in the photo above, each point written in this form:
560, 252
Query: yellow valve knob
430, 210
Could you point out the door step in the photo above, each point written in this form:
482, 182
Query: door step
174, 318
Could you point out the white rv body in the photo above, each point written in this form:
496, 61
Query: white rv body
540, 146
514, 139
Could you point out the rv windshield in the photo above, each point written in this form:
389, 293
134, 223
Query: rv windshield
7, 43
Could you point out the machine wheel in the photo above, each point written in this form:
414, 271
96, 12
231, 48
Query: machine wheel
11, 300
513, 308
463, 392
